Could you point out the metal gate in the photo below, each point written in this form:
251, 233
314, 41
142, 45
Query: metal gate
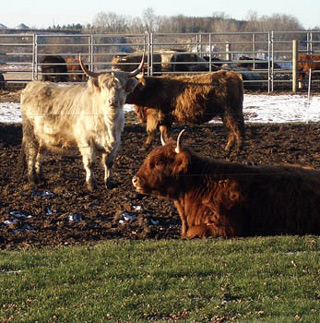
269, 55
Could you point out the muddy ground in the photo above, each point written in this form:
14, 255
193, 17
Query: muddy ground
63, 212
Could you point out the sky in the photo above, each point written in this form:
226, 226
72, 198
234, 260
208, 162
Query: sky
42, 13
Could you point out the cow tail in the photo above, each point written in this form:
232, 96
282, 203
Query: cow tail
241, 121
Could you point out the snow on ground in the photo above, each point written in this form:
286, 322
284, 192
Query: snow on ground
257, 109
281, 108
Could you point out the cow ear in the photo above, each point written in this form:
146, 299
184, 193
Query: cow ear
141, 78
181, 162
131, 85
94, 84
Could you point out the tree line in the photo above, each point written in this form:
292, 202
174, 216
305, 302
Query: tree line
111, 22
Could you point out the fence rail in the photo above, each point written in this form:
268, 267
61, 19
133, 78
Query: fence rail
21, 54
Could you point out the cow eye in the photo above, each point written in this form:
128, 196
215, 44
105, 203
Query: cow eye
159, 164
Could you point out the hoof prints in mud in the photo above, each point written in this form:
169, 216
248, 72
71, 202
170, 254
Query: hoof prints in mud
62, 212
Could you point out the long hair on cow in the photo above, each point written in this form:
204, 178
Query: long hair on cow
218, 198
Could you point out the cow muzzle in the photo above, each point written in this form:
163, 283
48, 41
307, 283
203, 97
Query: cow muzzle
135, 182
113, 103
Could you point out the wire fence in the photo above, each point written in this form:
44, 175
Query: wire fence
266, 60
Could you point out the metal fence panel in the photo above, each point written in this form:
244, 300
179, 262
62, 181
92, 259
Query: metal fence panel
263, 58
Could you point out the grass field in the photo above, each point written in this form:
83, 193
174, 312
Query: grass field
274, 279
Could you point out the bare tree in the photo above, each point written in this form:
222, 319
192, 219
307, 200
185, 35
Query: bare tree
111, 22
151, 21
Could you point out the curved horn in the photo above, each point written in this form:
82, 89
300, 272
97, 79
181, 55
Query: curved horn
163, 142
139, 69
85, 70
178, 148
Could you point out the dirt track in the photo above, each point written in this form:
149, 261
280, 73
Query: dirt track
62, 211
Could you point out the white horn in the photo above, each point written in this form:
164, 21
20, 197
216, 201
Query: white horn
139, 69
178, 148
163, 142
85, 70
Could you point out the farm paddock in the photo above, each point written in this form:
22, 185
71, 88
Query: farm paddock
63, 212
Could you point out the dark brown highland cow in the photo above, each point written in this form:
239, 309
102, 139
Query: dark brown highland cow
191, 99
222, 199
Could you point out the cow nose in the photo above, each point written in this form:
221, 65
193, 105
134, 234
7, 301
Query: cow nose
112, 102
135, 181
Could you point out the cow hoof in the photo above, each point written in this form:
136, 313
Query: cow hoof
92, 186
41, 178
30, 186
33, 178
111, 184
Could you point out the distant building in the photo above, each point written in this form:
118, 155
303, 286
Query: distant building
3, 26
22, 26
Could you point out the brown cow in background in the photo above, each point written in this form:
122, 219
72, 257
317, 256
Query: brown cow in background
2, 82
191, 99
74, 70
53, 68
307, 62
222, 199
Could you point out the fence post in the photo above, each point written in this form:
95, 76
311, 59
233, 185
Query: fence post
91, 52
228, 48
210, 53
150, 51
294, 65
35, 61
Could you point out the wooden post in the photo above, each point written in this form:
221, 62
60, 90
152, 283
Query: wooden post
228, 48
294, 66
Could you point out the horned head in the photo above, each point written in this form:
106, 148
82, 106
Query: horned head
178, 148
95, 75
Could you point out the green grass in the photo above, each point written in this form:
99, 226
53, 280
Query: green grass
257, 280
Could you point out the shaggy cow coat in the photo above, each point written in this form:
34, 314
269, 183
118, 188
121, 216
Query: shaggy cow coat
191, 99
307, 62
222, 199
88, 118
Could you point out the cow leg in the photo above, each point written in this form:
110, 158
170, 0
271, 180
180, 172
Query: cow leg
235, 126
227, 121
164, 132
183, 218
152, 122
151, 131
88, 158
200, 231
239, 135
149, 140
108, 161
31, 155
30, 148
38, 162
206, 230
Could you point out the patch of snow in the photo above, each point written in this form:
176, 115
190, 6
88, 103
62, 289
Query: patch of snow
25, 227
136, 208
19, 215
48, 212
281, 108
9, 222
75, 218
42, 194
10, 112
257, 108
127, 216
154, 222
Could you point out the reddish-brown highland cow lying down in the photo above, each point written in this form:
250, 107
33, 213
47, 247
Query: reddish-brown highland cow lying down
222, 199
